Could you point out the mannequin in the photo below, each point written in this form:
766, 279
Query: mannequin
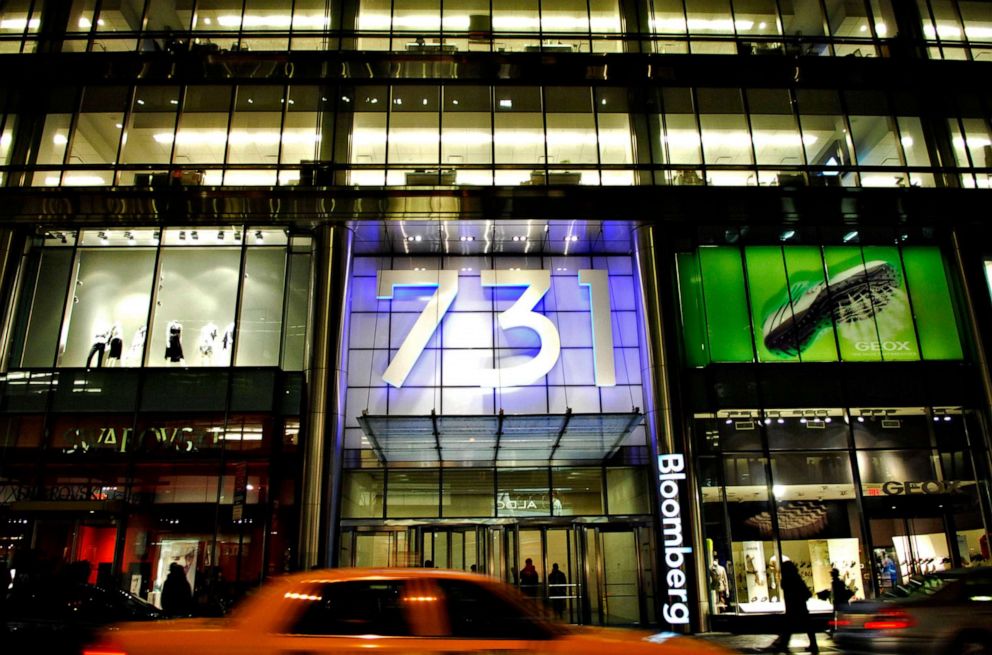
227, 343
133, 357
719, 583
208, 335
115, 345
174, 349
99, 346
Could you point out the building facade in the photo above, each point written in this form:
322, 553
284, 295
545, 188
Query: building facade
662, 292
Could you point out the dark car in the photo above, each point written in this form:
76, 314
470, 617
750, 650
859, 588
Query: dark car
945, 613
60, 618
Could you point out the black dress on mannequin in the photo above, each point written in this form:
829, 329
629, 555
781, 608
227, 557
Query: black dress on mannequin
115, 344
174, 349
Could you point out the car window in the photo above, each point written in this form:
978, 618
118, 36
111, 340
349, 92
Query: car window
477, 612
978, 589
360, 607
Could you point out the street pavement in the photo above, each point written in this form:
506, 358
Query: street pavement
757, 643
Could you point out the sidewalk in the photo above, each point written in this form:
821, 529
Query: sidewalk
757, 643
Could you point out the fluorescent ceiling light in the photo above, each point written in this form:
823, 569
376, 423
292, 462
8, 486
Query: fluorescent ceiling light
19, 23
195, 137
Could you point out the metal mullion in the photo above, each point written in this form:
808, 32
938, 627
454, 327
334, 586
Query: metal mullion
70, 292
97, 7
282, 130
180, 110
71, 137
595, 122
825, 26
232, 108
238, 302
849, 138
590, 40
750, 131
125, 117
798, 122
241, 27
287, 276
153, 300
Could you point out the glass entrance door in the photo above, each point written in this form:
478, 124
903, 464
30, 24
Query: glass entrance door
458, 548
600, 575
619, 579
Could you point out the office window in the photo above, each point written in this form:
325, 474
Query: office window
98, 127
681, 142
519, 132
571, 127
368, 137
710, 18
149, 130
850, 27
725, 136
875, 137
466, 132
804, 20
255, 125
775, 135
825, 136
202, 136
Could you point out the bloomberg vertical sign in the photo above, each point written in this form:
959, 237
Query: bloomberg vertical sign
676, 551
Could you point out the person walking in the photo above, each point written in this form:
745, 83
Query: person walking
796, 614
529, 579
177, 597
557, 590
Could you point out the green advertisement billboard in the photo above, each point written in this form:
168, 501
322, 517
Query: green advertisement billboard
816, 304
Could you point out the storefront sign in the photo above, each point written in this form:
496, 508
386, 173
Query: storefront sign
894, 488
522, 314
675, 548
64, 492
123, 440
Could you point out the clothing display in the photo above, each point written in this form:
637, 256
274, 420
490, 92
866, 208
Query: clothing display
208, 336
133, 357
227, 341
719, 583
115, 345
174, 349
98, 348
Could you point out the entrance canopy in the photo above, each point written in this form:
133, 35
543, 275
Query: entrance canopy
498, 438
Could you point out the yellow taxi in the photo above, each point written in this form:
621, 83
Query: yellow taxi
409, 611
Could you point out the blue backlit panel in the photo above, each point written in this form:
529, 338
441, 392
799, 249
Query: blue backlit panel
469, 339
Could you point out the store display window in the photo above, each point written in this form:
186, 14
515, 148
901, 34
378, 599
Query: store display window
798, 498
180, 297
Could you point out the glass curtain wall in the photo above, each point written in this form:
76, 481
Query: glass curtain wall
423, 135
758, 27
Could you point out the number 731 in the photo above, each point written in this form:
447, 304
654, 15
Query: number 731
535, 284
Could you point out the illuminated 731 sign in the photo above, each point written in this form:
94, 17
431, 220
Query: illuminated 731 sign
521, 314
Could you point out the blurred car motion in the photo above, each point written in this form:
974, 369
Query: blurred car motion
391, 611
946, 613
60, 618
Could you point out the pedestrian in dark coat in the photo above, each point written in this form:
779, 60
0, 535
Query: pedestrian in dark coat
177, 596
796, 614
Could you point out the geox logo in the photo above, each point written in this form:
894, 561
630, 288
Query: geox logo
887, 346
